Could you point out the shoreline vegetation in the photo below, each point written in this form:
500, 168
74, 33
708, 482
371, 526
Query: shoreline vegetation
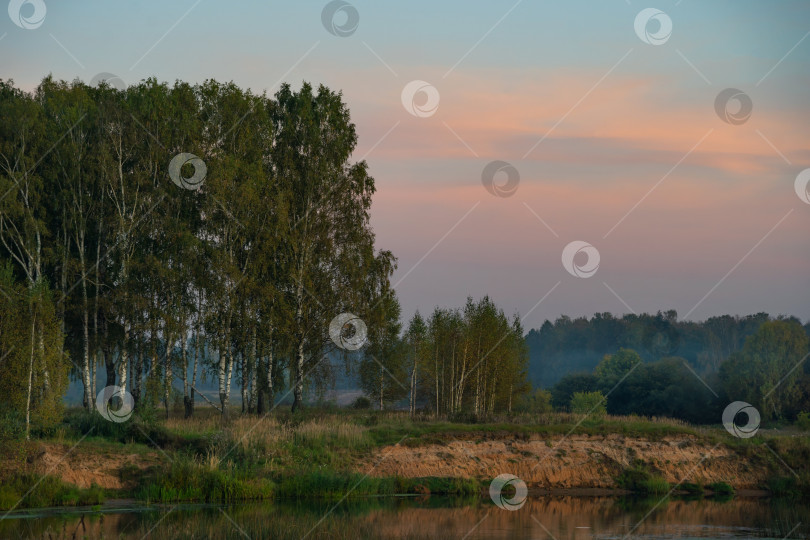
333, 454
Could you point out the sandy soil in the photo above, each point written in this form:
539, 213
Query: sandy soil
83, 468
579, 461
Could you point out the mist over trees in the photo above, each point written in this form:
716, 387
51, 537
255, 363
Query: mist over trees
767, 368
569, 345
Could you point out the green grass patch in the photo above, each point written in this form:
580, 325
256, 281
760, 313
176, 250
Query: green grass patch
785, 486
335, 486
186, 480
639, 480
47, 491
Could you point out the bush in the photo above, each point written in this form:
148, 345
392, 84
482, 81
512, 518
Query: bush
721, 488
592, 403
563, 391
12, 425
640, 480
804, 421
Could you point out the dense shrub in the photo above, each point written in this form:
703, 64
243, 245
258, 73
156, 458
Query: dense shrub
591, 403
640, 480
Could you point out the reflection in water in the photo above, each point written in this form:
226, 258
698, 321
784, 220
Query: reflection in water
564, 517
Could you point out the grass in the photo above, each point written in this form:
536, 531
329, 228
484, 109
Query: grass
16, 492
335, 486
639, 480
192, 480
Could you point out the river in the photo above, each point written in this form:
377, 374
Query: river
558, 517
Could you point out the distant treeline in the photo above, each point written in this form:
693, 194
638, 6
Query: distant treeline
577, 345
655, 365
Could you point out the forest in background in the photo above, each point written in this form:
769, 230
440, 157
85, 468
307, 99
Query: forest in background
569, 345
678, 369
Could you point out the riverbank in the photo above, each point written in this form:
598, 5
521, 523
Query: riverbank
332, 454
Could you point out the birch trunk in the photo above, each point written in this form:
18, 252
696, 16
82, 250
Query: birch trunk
411, 395
184, 361
243, 359
88, 397
30, 382
270, 361
436, 366
196, 354
123, 362
46, 379
382, 404
298, 391
254, 370
222, 370
169, 376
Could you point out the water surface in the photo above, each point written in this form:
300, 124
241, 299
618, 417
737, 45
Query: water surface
560, 517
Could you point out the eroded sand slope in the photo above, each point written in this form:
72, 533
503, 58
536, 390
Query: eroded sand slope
578, 461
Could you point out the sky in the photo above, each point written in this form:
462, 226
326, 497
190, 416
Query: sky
616, 145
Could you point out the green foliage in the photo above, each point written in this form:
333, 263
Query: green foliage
614, 367
567, 345
12, 425
803, 420
336, 486
538, 402
721, 488
383, 369
564, 390
16, 492
666, 388
332, 485
769, 357
470, 360
784, 486
638, 479
134, 430
187, 480
253, 262
591, 403
35, 369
